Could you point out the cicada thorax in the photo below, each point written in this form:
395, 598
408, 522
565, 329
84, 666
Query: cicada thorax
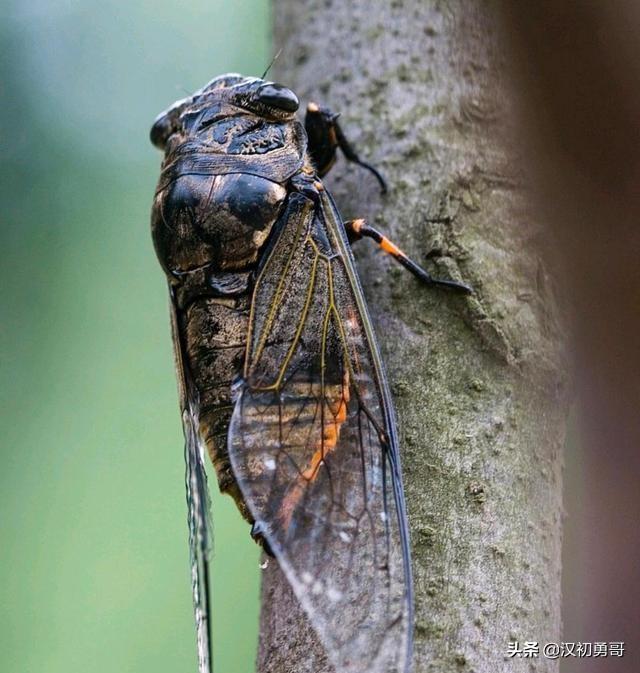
220, 193
219, 221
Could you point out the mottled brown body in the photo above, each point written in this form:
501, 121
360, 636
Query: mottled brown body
215, 335
220, 193
208, 231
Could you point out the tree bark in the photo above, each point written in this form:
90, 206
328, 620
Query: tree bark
478, 382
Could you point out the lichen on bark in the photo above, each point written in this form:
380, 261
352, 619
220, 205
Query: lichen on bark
478, 382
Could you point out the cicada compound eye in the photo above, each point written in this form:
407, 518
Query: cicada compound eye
161, 130
277, 96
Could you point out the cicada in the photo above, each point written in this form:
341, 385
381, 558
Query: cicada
279, 372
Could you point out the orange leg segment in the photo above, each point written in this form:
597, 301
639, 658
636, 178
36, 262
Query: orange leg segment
357, 229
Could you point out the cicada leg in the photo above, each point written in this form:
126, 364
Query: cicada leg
325, 137
357, 229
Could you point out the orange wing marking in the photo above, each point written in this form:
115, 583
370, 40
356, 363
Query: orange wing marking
326, 444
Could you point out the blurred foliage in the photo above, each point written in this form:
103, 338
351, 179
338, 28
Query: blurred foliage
93, 537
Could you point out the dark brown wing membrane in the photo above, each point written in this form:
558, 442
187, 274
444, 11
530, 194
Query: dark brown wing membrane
313, 447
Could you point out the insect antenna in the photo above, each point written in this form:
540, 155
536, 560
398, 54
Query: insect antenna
273, 60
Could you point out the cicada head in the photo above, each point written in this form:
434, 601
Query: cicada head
218, 98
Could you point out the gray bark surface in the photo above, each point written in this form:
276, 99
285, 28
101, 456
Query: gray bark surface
478, 382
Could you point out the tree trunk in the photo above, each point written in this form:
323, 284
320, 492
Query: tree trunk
478, 382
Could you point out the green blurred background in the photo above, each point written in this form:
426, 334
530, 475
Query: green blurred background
93, 537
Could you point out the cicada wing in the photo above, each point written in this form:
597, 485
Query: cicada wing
198, 502
313, 446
